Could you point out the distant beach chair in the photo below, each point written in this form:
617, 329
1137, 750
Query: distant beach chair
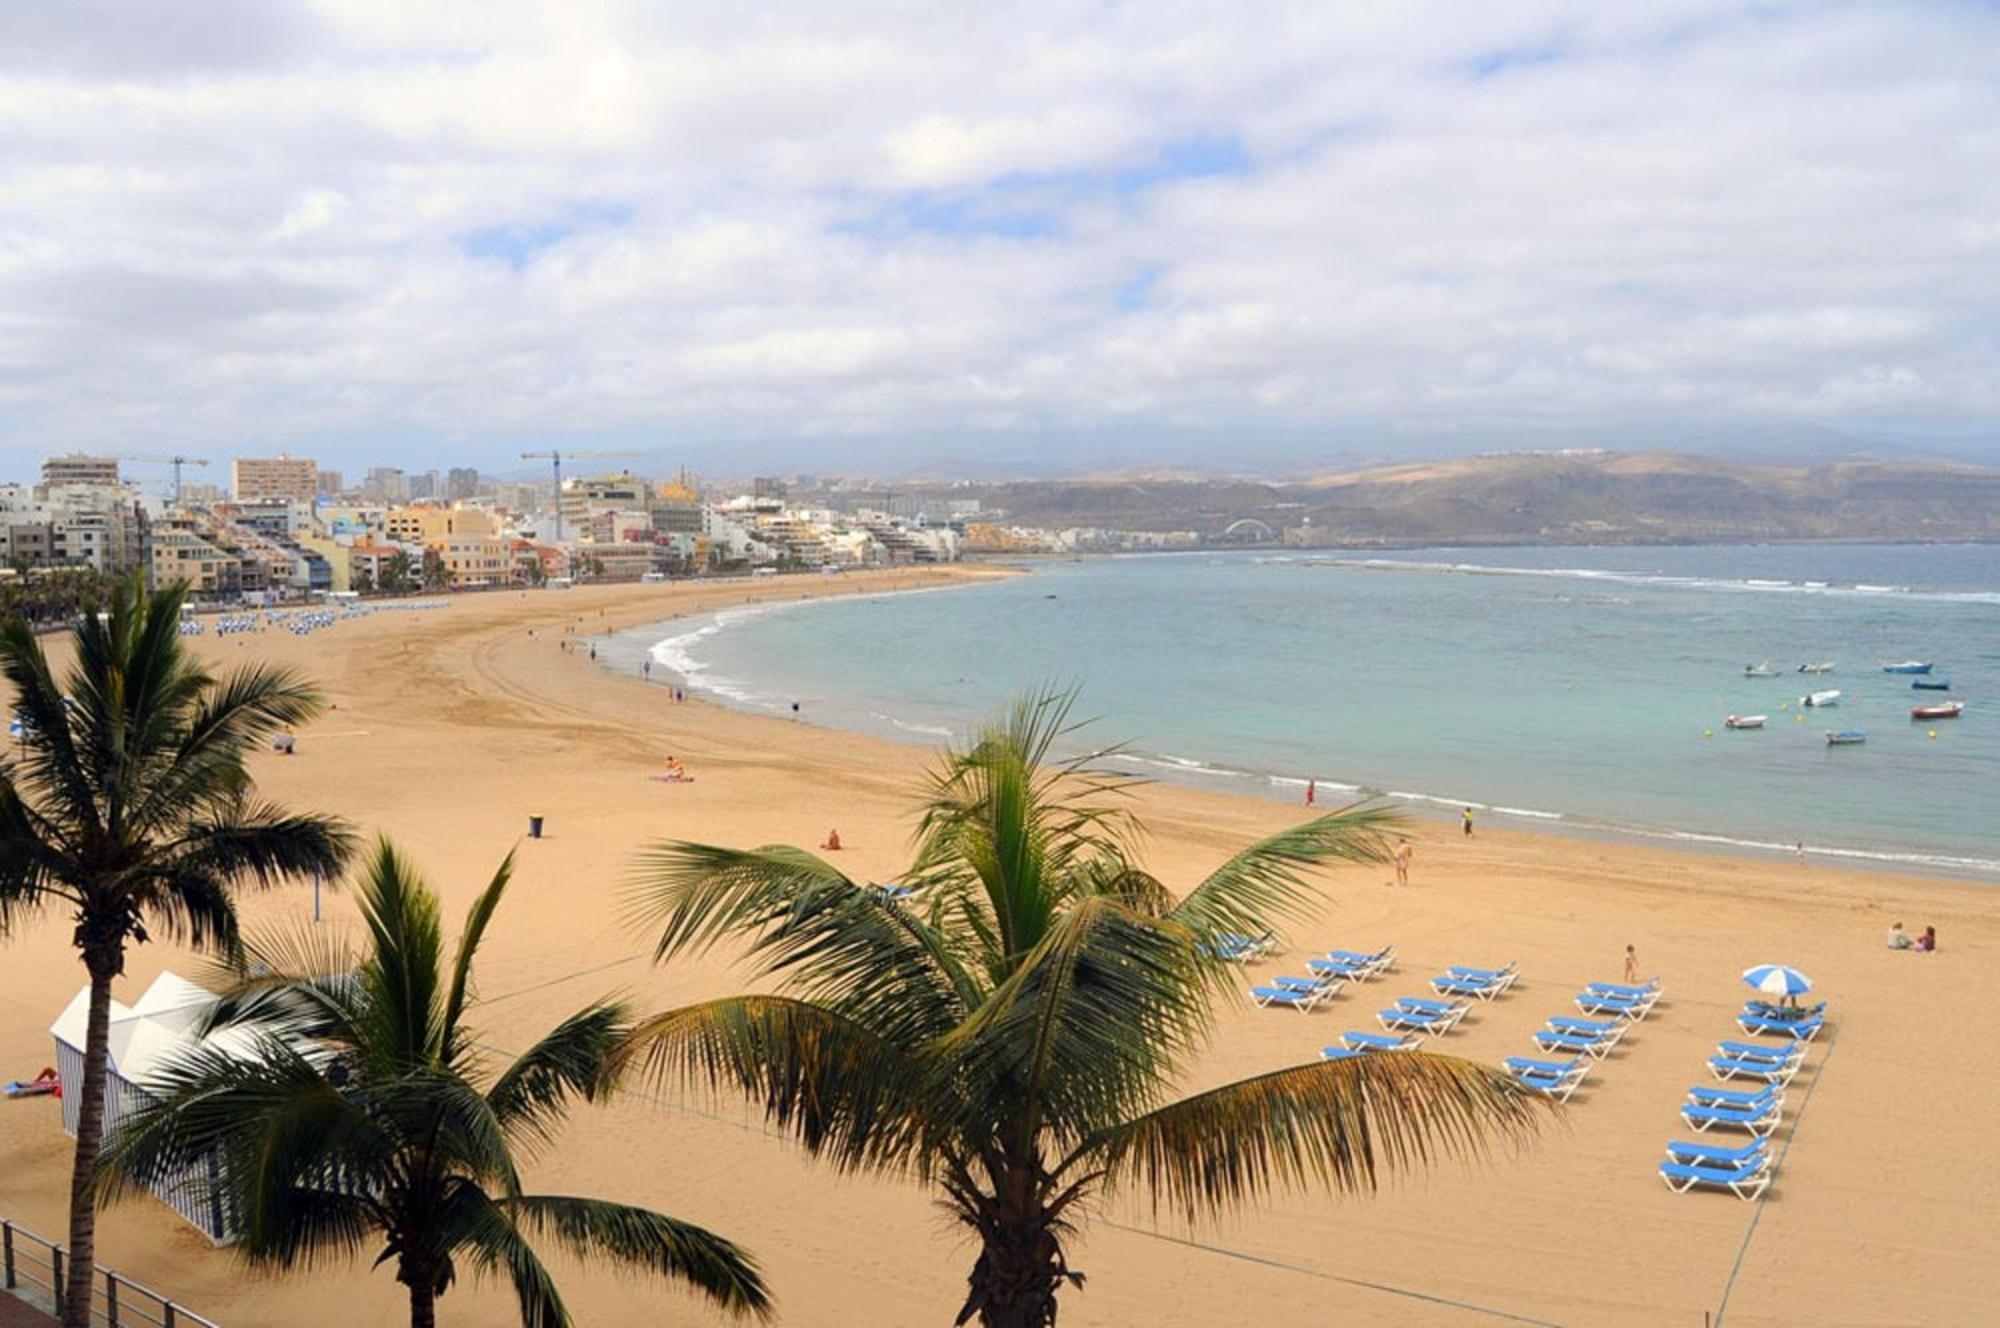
892, 893
1418, 1021
1799, 1030
1785, 1053
1425, 1005
1606, 1028
1771, 1010
1451, 984
1328, 988
1746, 1182
1558, 1087
1380, 1042
1718, 1155
1338, 968
1504, 976
1622, 1006
1241, 949
1760, 1121
1707, 1095
1285, 996
1598, 1045
48, 1081
1648, 991
1343, 1053
1574, 1067
1771, 1072
1379, 961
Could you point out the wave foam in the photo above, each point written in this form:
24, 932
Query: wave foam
1747, 585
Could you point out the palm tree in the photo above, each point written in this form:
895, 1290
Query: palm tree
1011, 1030
361, 1119
129, 805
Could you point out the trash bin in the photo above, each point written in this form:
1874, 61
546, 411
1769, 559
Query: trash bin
534, 827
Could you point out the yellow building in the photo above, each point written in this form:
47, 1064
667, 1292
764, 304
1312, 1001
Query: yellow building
252, 478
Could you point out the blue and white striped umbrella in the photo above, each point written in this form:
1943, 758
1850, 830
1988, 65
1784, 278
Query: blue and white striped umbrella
1777, 980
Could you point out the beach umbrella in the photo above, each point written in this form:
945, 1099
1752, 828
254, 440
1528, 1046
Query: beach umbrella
1777, 980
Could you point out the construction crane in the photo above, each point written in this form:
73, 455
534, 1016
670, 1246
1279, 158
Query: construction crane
176, 460
555, 459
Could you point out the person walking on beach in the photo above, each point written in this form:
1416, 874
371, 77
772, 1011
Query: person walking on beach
1631, 964
646, 669
1404, 852
1466, 818
1312, 791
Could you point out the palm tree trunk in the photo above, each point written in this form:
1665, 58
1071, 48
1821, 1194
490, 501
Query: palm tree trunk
423, 1306
1015, 1280
89, 1139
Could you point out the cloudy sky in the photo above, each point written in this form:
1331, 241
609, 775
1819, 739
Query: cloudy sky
888, 233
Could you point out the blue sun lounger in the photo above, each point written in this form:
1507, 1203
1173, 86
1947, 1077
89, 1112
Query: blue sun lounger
1557, 1086
1413, 1021
1324, 986
1718, 1155
1623, 1006
1504, 975
1761, 1121
1595, 1045
1380, 1041
1241, 949
1380, 961
1608, 1028
1574, 1067
1338, 968
1778, 1053
1343, 1053
1799, 1030
1485, 989
1772, 1010
1710, 1096
1286, 996
1646, 991
1425, 1005
1746, 1181
1771, 1072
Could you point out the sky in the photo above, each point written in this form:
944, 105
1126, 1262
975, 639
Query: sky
903, 235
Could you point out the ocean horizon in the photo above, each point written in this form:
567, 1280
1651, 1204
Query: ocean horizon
1573, 688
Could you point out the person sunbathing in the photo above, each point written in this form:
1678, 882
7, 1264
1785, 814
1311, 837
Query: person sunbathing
832, 840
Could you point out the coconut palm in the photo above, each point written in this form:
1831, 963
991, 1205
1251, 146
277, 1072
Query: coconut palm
129, 806
1010, 1030
367, 1115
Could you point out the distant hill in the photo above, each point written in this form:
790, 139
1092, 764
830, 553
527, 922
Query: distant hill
1545, 498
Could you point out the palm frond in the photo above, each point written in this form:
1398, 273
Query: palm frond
1335, 1124
839, 1088
650, 1242
205, 758
568, 1061
476, 919
51, 769
404, 968
1269, 882
834, 940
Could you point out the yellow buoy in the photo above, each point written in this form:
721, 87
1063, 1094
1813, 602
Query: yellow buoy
1708, 733
1784, 705
1800, 718
1933, 735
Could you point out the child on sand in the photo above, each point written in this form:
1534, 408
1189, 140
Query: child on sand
1631, 964
1900, 939
1404, 852
832, 840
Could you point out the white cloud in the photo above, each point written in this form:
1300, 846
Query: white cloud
330, 227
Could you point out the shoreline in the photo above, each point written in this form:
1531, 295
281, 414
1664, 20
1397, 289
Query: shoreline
1273, 786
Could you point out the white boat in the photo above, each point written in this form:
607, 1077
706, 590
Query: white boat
1824, 666
1744, 722
1820, 698
1763, 670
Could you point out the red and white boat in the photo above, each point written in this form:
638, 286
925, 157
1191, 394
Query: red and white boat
1949, 710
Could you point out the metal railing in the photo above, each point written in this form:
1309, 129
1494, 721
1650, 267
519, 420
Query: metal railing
36, 1266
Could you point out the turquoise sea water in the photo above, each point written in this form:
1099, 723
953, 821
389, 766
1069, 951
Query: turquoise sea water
1578, 686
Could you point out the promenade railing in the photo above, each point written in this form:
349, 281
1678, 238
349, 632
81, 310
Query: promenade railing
39, 1266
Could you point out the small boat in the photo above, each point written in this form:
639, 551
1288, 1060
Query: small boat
1825, 666
1827, 698
1908, 666
1930, 684
1846, 738
1763, 670
1744, 722
1949, 710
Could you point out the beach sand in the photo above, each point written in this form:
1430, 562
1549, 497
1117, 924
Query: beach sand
454, 726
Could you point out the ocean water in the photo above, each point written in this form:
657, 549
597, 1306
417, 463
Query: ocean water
1578, 687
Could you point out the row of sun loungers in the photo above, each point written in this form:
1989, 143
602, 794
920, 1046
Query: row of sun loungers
1587, 1040
1328, 974
1746, 1170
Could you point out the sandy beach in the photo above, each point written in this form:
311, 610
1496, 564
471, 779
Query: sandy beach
451, 727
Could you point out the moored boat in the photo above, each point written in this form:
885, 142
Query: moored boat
1908, 666
1846, 738
1824, 666
1948, 710
1763, 670
1930, 684
1744, 721
1826, 698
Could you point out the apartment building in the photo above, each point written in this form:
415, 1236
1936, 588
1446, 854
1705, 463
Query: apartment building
253, 479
